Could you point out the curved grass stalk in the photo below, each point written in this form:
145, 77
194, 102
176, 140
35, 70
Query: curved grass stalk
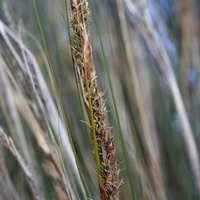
8, 143
154, 164
60, 101
165, 67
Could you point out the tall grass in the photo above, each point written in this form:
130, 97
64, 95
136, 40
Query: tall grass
61, 137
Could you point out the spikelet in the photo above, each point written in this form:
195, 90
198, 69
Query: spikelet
82, 58
87, 52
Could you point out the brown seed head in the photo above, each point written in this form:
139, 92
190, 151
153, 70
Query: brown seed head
87, 55
73, 4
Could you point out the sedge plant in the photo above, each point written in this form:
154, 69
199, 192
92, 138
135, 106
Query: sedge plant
94, 103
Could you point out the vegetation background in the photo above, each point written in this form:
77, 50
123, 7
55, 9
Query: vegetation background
146, 55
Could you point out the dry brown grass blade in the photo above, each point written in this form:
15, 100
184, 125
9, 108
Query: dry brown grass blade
10, 111
51, 168
186, 24
26, 106
49, 105
49, 164
155, 171
8, 142
136, 158
161, 57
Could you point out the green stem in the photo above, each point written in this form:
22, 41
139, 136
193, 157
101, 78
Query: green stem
60, 102
93, 131
115, 106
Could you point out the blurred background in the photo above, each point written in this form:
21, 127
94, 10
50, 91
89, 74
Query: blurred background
146, 54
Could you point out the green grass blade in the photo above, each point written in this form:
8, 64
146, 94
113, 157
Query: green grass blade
114, 103
60, 101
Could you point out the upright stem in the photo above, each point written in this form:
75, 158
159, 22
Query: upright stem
102, 140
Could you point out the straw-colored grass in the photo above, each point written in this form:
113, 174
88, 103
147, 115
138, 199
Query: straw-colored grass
61, 137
